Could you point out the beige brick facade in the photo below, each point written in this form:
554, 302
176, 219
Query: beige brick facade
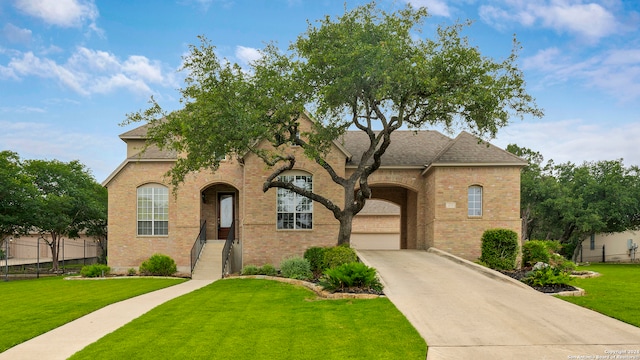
433, 207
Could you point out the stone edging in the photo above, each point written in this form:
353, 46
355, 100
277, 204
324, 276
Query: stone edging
315, 288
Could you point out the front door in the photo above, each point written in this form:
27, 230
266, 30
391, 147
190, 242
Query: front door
225, 214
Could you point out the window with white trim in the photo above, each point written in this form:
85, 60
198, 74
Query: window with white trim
475, 201
295, 211
153, 210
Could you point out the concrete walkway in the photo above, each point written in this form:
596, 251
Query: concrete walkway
62, 342
466, 312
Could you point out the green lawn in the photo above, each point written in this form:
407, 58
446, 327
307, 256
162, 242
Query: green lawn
32, 307
263, 319
616, 293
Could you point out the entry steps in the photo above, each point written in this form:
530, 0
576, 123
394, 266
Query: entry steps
209, 265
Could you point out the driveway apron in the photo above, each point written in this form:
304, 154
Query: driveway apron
464, 312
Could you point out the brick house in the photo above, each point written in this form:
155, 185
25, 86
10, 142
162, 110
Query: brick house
448, 192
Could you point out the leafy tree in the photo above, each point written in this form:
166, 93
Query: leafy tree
568, 201
69, 201
365, 70
16, 197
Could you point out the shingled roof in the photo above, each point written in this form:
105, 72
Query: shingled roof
419, 149
431, 148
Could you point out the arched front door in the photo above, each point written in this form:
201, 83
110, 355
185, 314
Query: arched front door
226, 214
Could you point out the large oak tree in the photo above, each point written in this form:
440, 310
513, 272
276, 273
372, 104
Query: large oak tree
367, 69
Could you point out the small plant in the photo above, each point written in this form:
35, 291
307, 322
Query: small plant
534, 251
351, 276
95, 270
296, 268
315, 256
132, 272
499, 249
158, 265
559, 261
338, 255
267, 269
547, 276
250, 270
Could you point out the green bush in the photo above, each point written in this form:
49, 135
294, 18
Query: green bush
315, 256
353, 275
267, 269
95, 270
559, 261
132, 272
547, 276
158, 265
250, 270
296, 268
338, 255
534, 251
499, 249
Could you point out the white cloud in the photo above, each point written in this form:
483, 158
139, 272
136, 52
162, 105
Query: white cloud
590, 21
616, 71
16, 35
434, 7
247, 55
63, 13
89, 71
575, 140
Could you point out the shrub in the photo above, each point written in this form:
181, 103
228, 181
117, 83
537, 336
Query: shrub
296, 268
267, 269
132, 272
158, 265
546, 276
534, 251
559, 261
349, 276
250, 270
315, 256
338, 255
499, 249
95, 270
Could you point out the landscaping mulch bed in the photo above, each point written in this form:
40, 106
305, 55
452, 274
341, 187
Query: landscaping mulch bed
550, 289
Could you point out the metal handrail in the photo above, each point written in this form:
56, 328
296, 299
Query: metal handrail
196, 249
226, 251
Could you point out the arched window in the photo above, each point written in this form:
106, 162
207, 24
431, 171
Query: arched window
475, 200
295, 211
153, 210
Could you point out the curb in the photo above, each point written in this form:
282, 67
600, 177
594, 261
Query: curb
479, 268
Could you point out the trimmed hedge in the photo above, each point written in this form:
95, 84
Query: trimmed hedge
95, 270
499, 249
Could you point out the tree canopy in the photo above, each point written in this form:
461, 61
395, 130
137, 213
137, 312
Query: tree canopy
567, 202
368, 69
69, 201
17, 195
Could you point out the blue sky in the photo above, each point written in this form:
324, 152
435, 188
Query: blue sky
70, 70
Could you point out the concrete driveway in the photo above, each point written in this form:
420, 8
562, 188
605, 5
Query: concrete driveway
464, 312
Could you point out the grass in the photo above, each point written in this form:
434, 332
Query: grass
32, 307
614, 294
263, 319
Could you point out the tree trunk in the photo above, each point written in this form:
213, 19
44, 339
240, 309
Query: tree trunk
55, 249
344, 236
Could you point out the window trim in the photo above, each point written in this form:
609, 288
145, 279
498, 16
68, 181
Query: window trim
163, 191
473, 210
294, 202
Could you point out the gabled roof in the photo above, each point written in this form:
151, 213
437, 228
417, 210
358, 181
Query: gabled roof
467, 149
407, 148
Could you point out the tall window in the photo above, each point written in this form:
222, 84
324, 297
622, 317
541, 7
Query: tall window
153, 210
295, 211
475, 200
592, 242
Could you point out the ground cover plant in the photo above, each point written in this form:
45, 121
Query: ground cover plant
615, 293
32, 307
263, 319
